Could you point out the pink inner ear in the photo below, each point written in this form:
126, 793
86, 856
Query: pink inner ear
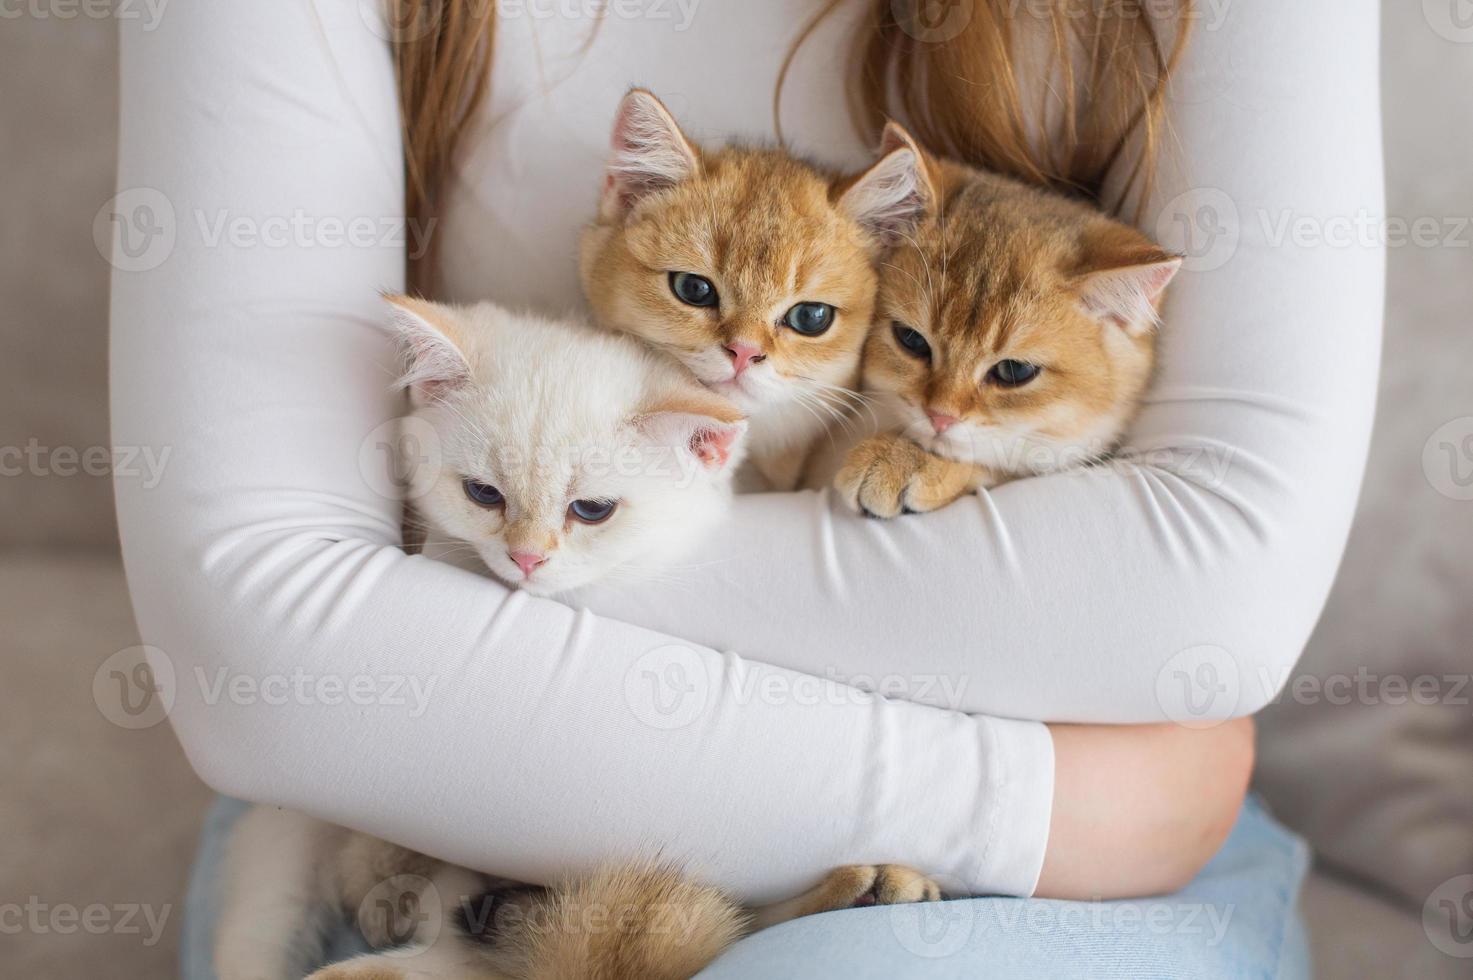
713, 446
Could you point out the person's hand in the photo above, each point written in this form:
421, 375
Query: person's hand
1138, 810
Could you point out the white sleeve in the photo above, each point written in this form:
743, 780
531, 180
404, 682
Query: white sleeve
311, 663
1184, 582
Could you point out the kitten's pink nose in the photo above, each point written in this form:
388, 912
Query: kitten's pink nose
941, 422
527, 561
744, 356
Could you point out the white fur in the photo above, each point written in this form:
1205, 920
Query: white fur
786, 414
276, 900
555, 411
1009, 450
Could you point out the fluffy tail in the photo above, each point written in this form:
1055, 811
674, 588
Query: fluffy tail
643, 921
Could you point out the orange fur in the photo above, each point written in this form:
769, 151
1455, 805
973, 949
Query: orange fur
769, 232
1003, 270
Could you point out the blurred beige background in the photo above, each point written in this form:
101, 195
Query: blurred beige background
92, 814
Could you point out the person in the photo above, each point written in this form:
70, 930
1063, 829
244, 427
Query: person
1046, 637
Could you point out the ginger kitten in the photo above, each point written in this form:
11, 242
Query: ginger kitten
1014, 334
751, 267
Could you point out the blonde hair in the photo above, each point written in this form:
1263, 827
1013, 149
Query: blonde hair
959, 85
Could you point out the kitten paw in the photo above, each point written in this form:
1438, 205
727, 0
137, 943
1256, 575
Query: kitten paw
889, 475
862, 885
361, 968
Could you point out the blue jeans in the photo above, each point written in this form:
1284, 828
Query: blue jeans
1237, 919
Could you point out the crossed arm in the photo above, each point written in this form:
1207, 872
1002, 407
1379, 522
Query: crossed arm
542, 742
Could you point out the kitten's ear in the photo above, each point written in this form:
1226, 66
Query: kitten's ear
647, 153
897, 193
702, 424
433, 345
1123, 282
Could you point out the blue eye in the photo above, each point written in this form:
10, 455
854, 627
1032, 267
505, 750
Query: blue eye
483, 493
810, 319
693, 290
911, 340
1013, 374
592, 511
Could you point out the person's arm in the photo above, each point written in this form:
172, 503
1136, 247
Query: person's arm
1183, 582
311, 663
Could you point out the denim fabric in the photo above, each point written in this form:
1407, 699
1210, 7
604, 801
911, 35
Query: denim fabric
1237, 919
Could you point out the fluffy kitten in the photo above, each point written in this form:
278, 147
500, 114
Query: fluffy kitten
1014, 334
566, 453
290, 879
753, 268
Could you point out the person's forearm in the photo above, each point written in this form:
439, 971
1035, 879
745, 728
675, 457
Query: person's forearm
1138, 810
1184, 581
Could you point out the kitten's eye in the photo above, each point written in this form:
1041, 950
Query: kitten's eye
693, 290
592, 511
911, 340
1013, 374
810, 319
483, 493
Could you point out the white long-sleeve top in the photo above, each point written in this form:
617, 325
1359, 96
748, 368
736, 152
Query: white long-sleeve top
315, 665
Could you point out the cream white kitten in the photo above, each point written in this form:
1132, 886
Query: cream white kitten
565, 453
